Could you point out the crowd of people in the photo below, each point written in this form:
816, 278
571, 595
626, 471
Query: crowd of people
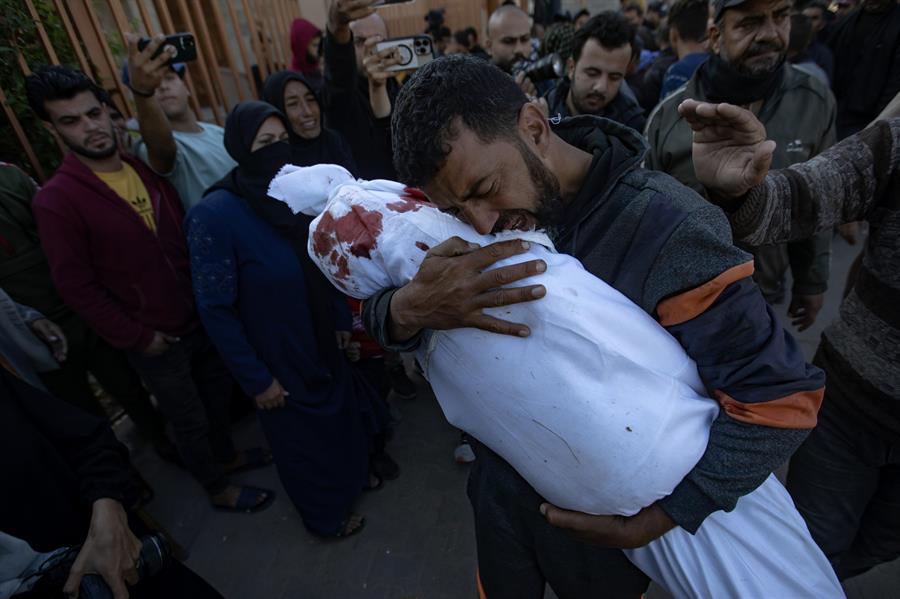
155, 265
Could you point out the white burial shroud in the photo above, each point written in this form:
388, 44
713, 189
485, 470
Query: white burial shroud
600, 409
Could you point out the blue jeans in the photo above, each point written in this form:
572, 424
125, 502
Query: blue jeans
193, 389
845, 481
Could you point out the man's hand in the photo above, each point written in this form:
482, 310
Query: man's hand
53, 336
343, 339
451, 289
144, 71
376, 63
618, 532
271, 398
342, 12
526, 85
160, 344
850, 232
354, 351
804, 309
730, 151
110, 550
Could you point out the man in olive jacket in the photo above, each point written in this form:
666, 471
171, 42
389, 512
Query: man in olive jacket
747, 68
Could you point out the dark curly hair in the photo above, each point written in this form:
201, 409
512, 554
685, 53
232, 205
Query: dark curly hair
56, 82
610, 29
689, 18
452, 90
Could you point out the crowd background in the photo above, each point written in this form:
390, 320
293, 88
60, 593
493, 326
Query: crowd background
167, 290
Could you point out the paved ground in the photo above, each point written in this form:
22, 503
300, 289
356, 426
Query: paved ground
418, 543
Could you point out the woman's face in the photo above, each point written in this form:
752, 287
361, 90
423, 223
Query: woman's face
271, 131
302, 110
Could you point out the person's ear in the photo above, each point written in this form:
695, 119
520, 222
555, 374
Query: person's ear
715, 37
570, 67
673, 37
535, 128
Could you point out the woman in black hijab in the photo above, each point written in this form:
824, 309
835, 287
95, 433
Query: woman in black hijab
274, 319
311, 143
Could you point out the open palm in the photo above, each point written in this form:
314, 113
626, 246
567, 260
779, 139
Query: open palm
730, 151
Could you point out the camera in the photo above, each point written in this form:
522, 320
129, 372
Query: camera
551, 66
155, 555
415, 52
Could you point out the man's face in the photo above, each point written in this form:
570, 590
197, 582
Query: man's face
634, 17
509, 40
651, 20
597, 75
753, 37
495, 186
816, 18
172, 95
83, 125
580, 21
362, 30
302, 110
455, 47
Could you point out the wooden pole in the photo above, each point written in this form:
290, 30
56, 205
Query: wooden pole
73, 38
256, 41
45, 41
110, 61
201, 63
212, 64
23, 139
226, 48
145, 17
239, 34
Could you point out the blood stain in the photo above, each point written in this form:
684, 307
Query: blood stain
422, 246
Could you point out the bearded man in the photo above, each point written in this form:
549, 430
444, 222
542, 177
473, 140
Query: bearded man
747, 67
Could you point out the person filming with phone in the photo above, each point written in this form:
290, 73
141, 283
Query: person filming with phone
190, 154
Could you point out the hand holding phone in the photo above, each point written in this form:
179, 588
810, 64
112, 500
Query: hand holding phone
184, 44
411, 52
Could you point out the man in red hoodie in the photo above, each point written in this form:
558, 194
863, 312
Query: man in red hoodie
111, 230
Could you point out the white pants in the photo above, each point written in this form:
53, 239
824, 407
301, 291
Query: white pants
760, 550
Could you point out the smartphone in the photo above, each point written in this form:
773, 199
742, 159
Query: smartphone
184, 43
389, 2
414, 51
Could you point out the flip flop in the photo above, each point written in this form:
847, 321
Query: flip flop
372, 488
342, 531
247, 501
255, 457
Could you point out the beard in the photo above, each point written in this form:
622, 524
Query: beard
548, 209
743, 68
580, 104
93, 154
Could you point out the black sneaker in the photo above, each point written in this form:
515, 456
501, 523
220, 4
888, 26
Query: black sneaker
400, 383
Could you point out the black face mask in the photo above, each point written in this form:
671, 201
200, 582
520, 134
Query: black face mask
257, 169
722, 82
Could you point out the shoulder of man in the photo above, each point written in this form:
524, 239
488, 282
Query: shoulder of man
798, 81
690, 237
661, 123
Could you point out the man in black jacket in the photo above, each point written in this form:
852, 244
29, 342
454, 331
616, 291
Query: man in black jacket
601, 54
346, 96
65, 481
866, 46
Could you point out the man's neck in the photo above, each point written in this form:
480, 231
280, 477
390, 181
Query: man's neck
683, 48
571, 166
101, 165
570, 105
185, 123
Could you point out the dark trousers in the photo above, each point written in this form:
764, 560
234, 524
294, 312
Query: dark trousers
89, 353
519, 552
193, 389
845, 481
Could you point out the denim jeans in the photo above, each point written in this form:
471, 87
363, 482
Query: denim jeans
845, 481
193, 389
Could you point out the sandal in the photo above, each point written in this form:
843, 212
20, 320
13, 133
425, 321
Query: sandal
255, 457
343, 532
248, 501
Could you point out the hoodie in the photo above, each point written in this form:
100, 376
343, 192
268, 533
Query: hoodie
302, 33
671, 253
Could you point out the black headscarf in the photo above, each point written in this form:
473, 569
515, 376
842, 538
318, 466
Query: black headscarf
250, 181
329, 147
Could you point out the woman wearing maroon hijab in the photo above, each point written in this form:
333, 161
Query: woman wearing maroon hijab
306, 43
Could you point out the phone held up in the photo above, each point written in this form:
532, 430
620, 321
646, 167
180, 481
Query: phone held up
184, 43
415, 51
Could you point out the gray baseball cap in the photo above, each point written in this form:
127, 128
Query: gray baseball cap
721, 5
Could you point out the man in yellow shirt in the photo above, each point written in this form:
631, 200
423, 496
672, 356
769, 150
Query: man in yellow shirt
128, 186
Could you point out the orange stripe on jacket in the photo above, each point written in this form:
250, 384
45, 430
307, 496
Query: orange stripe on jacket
797, 410
690, 304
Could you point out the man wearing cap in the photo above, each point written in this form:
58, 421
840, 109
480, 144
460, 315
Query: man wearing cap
190, 154
747, 67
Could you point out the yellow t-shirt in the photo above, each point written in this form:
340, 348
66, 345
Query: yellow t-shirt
128, 185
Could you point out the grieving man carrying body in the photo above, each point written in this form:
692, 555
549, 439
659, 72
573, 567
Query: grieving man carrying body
651, 239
